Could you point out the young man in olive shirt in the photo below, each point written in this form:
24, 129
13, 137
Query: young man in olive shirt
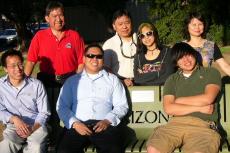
189, 96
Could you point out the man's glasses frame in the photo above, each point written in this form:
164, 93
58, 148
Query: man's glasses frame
16, 65
147, 34
99, 56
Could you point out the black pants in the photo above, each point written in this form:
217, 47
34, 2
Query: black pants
108, 141
53, 89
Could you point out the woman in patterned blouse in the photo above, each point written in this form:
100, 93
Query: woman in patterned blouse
195, 29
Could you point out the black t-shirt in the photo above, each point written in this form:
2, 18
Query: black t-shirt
153, 72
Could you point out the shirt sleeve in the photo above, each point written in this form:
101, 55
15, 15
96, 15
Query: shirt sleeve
33, 49
42, 105
217, 53
4, 114
80, 50
214, 77
65, 102
107, 55
120, 105
169, 86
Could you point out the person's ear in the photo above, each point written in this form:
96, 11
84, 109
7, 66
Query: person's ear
114, 27
47, 19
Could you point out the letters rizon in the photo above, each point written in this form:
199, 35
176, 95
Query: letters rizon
150, 116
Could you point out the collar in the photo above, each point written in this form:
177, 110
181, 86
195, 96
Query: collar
50, 33
118, 38
197, 69
100, 73
26, 79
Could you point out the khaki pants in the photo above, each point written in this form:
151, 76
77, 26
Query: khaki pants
190, 133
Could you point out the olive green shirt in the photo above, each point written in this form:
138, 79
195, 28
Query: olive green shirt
180, 86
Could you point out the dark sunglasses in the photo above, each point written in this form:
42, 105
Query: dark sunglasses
147, 34
94, 56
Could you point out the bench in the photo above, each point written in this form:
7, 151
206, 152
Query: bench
147, 113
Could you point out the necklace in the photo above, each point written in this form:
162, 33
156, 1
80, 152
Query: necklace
152, 49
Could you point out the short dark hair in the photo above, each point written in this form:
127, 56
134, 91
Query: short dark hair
93, 45
53, 5
188, 19
120, 13
182, 49
10, 53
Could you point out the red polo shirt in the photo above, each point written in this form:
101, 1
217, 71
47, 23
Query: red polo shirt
56, 57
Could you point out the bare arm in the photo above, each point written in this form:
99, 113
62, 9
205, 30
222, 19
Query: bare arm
207, 98
172, 108
29, 68
224, 65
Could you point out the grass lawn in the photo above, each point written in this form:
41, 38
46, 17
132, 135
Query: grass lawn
225, 49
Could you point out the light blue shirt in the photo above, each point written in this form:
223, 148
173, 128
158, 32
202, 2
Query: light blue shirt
83, 98
30, 102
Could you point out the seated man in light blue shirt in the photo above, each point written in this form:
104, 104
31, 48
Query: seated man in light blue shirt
23, 108
92, 104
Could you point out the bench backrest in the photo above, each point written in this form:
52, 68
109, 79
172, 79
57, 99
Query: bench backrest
147, 109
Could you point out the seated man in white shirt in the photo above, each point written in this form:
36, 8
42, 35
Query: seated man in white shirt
23, 108
91, 104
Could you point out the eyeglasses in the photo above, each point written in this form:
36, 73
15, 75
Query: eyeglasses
147, 34
94, 56
16, 65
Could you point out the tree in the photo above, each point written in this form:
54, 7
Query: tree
168, 15
20, 13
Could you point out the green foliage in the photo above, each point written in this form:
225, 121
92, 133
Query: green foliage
2, 72
169, 15
170, 28
216, 34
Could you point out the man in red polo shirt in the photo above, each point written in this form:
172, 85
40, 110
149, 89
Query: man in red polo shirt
59, 52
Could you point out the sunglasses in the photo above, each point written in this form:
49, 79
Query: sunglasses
147, 34
94, 56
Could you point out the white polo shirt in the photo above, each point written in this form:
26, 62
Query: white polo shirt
114, 59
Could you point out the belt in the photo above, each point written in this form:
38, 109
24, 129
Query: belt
51, 78
63, 76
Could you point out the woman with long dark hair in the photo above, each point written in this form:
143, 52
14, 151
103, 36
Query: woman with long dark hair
152, 63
